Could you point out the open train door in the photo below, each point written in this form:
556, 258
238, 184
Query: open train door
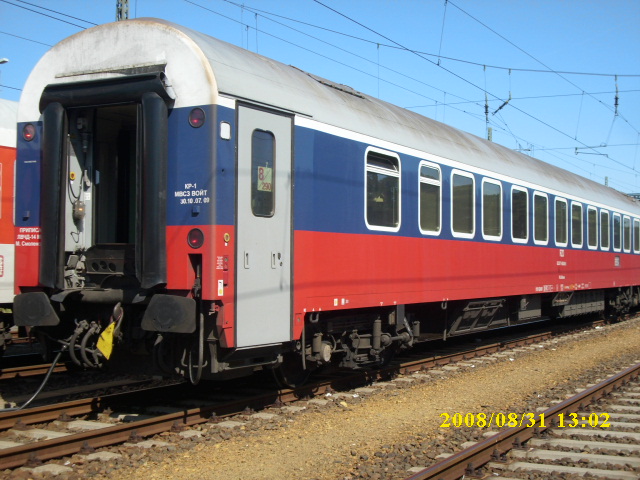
263, 257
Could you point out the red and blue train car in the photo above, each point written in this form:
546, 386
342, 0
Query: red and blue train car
219, 211
8, 116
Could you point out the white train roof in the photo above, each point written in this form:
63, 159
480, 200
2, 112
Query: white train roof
201, 69
8, 119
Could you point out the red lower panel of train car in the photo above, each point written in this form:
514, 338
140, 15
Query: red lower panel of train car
341, 271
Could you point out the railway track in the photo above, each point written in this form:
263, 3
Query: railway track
30, 371
604, 418
83, 425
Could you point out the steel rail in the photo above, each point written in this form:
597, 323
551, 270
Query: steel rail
29, 371
494, 448
48, 413
440, 360
74, 443
133, 431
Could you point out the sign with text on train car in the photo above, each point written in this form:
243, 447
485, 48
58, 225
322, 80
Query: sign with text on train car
28, 237
192, 195
265, 179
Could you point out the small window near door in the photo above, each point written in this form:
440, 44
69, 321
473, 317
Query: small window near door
592, 227
519, 215
430, 203
617, 232
626, 222
491, 209
463, 204
540, 218
561, 222
605, 231
263, 151
576, 224
382, 191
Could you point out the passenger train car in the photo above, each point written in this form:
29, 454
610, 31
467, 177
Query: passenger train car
219, 211
8, 118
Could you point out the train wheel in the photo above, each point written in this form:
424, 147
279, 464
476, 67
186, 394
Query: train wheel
162, 355
290, 373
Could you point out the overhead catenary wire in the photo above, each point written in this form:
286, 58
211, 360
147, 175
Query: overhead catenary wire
464, 79
44, 14
333, 58
579, 115
437, 103
57, 12
559, 74
444, 16
435, 55
534, 97
368, 74
442, 101
26, 39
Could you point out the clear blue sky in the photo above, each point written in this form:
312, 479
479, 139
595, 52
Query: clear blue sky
395, 57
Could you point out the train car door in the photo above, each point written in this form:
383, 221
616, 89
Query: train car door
263, 256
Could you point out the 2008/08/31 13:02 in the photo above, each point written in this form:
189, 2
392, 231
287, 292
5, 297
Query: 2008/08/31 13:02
484, 420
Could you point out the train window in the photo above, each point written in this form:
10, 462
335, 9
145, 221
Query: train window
519, 214
561, 222
263, 151
617, 232
605, 231
592, 227
540, 218
636, 235
382, 190
430, 206
627, 234
576, 224
491, 209
462, 204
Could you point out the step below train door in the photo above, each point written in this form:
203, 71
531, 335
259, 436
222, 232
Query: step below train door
263, 257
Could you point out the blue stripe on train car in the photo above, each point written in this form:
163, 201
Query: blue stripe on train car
27, 206
190, 169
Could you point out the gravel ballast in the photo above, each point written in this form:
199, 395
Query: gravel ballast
375, 433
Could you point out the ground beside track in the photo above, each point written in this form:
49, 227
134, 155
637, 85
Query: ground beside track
334, 442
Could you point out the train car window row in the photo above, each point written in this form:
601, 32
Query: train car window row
568, 217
